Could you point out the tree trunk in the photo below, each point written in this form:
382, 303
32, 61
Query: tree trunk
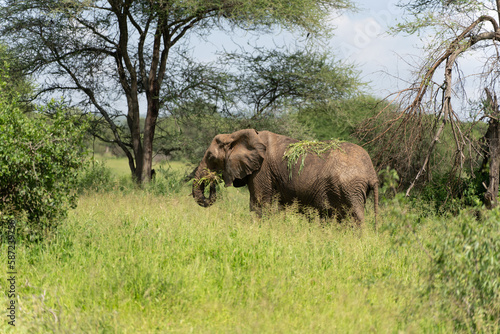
492, 140
149, 132
134, 125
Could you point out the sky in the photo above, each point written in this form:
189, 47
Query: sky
362, 38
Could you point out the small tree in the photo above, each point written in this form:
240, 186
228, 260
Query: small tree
39, 161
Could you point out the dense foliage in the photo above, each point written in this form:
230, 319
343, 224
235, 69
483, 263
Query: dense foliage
462, 266
340, 118
39, 161
14, 85
465, 271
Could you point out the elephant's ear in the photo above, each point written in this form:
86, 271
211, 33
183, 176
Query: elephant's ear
244, 156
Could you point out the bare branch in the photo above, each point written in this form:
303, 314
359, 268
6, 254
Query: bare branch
407, 127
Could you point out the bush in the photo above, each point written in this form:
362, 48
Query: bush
167, 181
451, 197
95, 177
465, 271
12, 81
39, 162
339, 118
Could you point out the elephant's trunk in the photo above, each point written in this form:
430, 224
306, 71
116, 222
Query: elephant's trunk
200, 182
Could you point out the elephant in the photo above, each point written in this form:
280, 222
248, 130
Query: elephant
335, 182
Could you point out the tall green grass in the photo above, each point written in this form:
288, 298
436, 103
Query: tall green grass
139, 262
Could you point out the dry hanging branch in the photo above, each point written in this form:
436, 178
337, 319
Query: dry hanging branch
407, 138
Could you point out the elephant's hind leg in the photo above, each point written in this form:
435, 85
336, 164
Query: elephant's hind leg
358, 214
356, 208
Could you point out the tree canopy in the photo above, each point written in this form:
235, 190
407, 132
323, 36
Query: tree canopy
102, 53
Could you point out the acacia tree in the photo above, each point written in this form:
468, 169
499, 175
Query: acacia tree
101, 52
276, 81
430, 104
264, 89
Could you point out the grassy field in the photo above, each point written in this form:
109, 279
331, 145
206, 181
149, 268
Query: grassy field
139, 262
120, 168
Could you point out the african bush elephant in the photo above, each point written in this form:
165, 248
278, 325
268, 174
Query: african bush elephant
336, 181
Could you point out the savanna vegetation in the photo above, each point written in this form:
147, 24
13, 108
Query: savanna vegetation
96, 248
165, 264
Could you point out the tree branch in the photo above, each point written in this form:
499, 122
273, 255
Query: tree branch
103, 111
446, 110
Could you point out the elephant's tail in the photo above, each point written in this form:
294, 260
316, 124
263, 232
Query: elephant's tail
374, 186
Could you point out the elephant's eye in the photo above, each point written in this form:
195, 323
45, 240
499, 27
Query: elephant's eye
212, 161
234, 143
210, 157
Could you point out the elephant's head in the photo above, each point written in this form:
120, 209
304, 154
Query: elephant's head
235, 156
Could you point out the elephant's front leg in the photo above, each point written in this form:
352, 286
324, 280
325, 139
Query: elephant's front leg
260, 196
255, 206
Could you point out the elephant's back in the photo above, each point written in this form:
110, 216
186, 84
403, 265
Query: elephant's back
346, 162
349, 169
352, 157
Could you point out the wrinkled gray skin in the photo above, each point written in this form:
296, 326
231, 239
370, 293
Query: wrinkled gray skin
337, 183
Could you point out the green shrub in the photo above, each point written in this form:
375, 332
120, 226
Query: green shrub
167, 181
452, 197
389, 183
403, 220
39, 162
95, 177
339, 118
465, 270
